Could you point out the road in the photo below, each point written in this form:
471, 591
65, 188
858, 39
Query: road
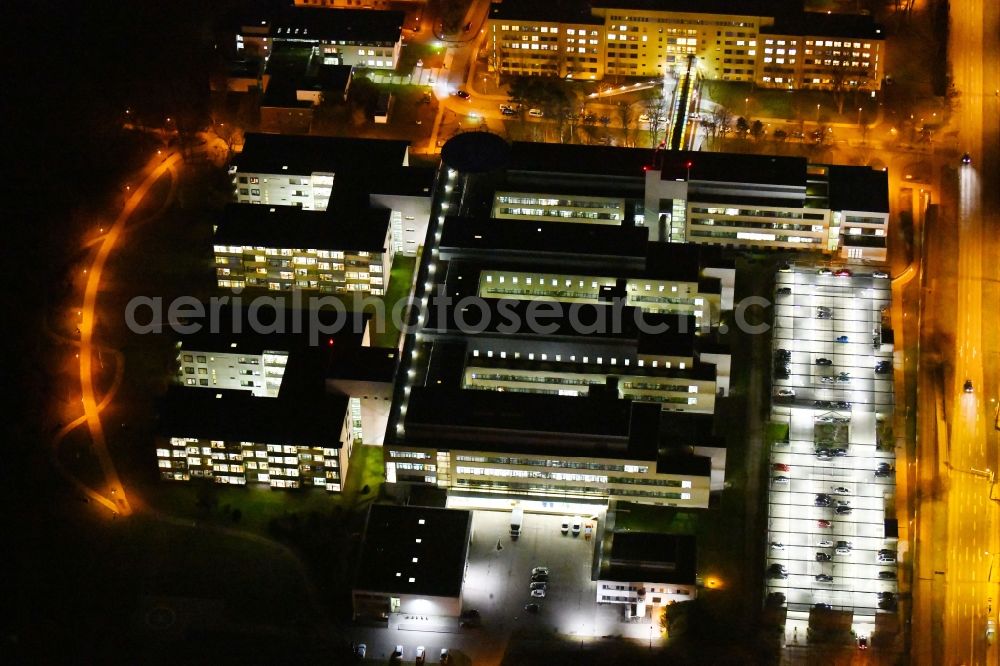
953, 598
112, 494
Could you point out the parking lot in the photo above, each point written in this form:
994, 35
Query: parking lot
497, 585
827, 345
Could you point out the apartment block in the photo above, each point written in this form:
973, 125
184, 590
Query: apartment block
357, 37
647, 569
233, 437
305, 171
281, 248
758, 41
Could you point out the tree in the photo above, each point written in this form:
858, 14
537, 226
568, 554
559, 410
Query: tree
742, 126
757, 130
625, 117
656, 110
721, 118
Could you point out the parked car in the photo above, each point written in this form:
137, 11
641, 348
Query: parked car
827, 380
539, 578
785, 268
823, 557
822, 606
841, 490
780, 480
841, 338
538, 594
824, 523
536, 113
507, 111
462, 94
588, 531
825, 543
841, 404
784, 291
824, 271
590, 118
880, 275
783, 353
887, 574
824, 361
781, 467
540, 570
565, 526
886, 555
822, 501
777, 575
883, 470
823, 578
786, 393
398, 652
967, 386
843, 272
539, 585
445, 657
531, 608
420, 657
823, 454
862, 642
843, 548
361, 651
883, 367
777, 545
843, 510
576, 525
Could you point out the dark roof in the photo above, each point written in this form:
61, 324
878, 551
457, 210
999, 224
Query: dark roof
681, 429
492, 238
859, 188
303, 155
673, 261
579, 159
293, 227
726, 7
733, 168
647, 557
555, 11
233, 415
349, 25
684, 464
697, 371
475, 152
405, 181
821, 24
374, 364
236, 332
283, 94
677, 336
532, 423
395, 536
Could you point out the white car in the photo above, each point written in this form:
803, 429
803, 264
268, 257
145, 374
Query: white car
881, 275
786, 393
565, 526
825, 543
536, 113
399, 651
540, 571
781, 480
577, 522
420, 657
538, 594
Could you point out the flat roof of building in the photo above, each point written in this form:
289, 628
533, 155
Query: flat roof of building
733, 168
301, 155
405, 181
683, 464
579, 159
858, 188
725, 7
367, 364
240, 331
348, 25
293, 227
233, 415
414, 550
554, 11
684, 429
592, 425
822, 24
492, 237
649, 557
696, 371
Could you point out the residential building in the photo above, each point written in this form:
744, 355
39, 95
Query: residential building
763, 201
413, 561
234, 437
303, 170
345, 4
762, 41
281, 248
356, 37
841, 52
647, 570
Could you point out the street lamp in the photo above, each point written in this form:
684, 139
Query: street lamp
817, 113
859, 115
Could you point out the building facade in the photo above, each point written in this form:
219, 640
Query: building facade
734, 41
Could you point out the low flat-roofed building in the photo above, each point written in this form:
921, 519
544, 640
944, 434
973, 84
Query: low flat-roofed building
412, 561
859, 197
281, 248
365, 375
647, 569
543, 448
357, 37
407, 191
233, 437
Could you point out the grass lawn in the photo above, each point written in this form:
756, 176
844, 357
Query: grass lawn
386, 333
775, 432
743, 99
658, 519
366, 468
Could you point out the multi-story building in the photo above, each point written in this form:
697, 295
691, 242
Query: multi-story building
771, 202
303, 171
731, 40
644, 569
233, 437
345, 4
358, 37
281, 248
488, 446
558, 38
841, 52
